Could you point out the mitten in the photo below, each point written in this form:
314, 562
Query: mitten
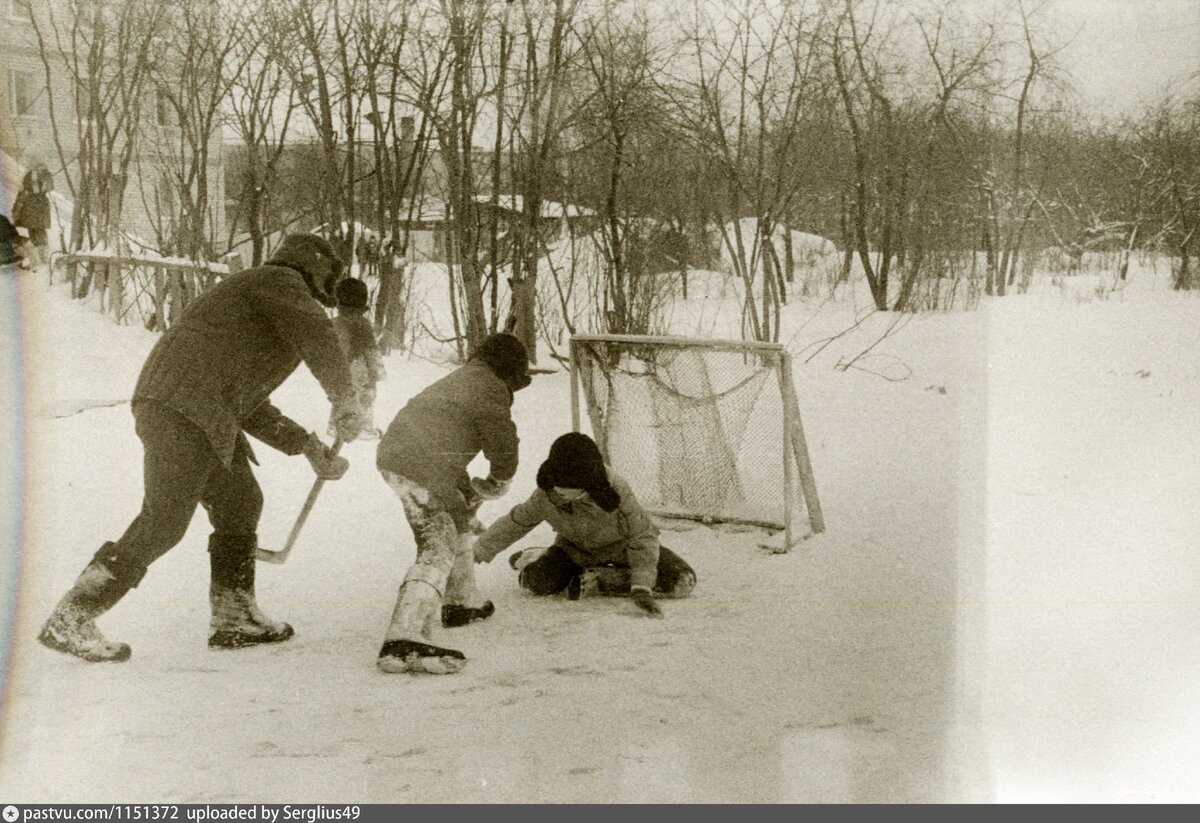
326, 464
489, 488
645, 601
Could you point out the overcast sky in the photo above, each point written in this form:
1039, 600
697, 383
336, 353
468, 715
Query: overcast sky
1126, 51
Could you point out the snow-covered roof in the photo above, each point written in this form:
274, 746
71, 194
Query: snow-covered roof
434, 211
550, 209
427, 211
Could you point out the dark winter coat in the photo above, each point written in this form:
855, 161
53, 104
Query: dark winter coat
587, 533
357, 339
234, 345
438, 433
32, 207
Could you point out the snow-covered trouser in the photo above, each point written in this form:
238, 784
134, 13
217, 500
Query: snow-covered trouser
444, 566
364, 401
181, 471
553, 570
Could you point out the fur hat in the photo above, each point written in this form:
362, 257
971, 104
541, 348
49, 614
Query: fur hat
507, 357
575, 462
314, 257
351, 293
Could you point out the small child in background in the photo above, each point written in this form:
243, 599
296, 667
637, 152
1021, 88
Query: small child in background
357, 338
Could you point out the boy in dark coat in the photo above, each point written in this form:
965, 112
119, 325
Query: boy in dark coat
204, 387
601, 532
424, 457
31, 209
357, 339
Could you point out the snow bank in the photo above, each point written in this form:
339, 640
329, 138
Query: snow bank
814, 256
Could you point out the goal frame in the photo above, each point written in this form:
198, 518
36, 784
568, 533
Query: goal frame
796, 463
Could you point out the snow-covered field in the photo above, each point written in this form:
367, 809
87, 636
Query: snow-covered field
1004, 606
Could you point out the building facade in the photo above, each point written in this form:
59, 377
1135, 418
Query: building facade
44, 111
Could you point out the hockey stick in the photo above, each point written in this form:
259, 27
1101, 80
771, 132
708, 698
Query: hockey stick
281, 556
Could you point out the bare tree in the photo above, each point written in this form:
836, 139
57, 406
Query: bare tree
193, 64
916, 85
261, 106
962, 59
546, 30
627, 162
455, 126
402, 80
859, 59
104, 51
757, 86
1011, 203
323, 63
1170, 141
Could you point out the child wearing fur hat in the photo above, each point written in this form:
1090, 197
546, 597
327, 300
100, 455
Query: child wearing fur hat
357, 339
601, 532
423, 457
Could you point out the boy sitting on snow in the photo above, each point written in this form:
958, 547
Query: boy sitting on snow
604, 537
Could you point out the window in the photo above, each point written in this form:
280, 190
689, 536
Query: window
86, 11
18, 9
165, 195
164, 112
21, 92
83, 100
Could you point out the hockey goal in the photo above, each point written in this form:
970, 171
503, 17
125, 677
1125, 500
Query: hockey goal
702, 429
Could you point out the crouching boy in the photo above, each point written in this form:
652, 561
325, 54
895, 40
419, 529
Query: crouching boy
423, 458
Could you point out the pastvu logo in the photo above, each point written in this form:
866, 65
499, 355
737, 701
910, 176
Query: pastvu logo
11, 813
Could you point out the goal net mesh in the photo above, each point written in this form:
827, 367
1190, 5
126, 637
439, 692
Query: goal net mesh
697, 431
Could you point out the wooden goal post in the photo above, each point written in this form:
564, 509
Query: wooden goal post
628, 355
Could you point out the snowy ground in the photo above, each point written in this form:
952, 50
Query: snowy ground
1004, 606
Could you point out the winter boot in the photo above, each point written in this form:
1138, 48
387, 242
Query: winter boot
463, 603
418, 657
523, 558
237, 622
406, 646
607, 581
454, 616
682, 586
71, 628
615, 581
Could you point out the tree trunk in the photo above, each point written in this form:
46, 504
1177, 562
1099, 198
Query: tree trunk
1128, 252
847, 242
991, 233
1184, 280
790, 255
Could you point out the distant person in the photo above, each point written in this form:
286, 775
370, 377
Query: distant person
357, 338
204, 387
603, 537
31, 210
423, 458
368, 256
